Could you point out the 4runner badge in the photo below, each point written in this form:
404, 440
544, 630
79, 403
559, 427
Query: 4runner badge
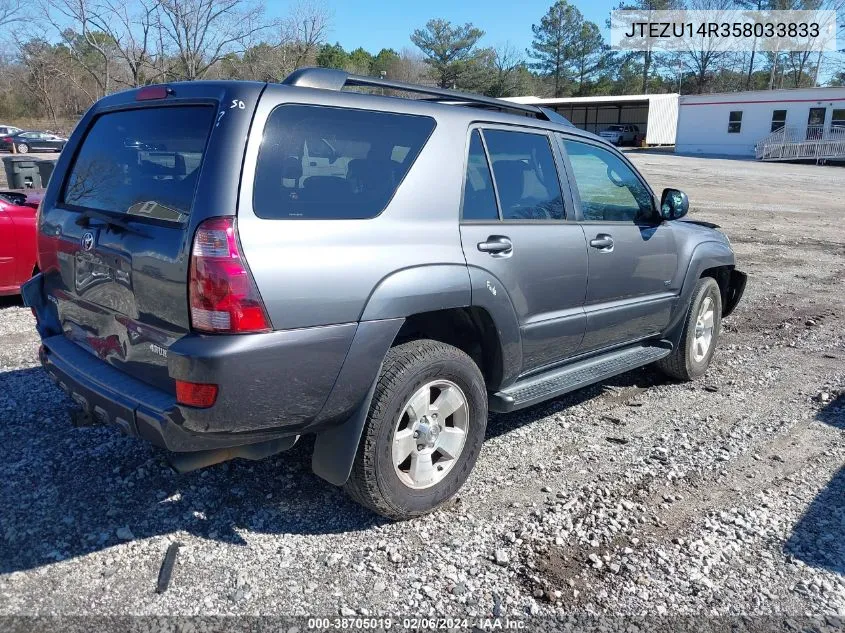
155, 349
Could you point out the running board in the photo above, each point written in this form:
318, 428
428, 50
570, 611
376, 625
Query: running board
561, 380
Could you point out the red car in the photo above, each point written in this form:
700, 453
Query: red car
17, 238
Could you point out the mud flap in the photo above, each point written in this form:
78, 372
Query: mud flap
736, 288
336, 447
34, 297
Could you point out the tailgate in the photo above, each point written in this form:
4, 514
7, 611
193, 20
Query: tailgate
116, 224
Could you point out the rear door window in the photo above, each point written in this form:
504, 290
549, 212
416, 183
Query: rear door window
479, 197
319, 162
142, 162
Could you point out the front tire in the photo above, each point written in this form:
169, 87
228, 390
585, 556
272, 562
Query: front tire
703, 324
423, 433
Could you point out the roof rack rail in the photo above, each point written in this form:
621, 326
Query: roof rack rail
333, 79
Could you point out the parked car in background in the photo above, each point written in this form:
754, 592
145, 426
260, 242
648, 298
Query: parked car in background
622, 134
33, 141
17, 238
8, 130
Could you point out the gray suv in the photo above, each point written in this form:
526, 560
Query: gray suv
228, 266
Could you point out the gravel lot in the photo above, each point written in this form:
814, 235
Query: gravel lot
635, 496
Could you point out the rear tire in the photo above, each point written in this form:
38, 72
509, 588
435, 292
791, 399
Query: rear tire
431, 403
703, 324
23, 148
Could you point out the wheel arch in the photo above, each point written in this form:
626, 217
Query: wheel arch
448, 302
708, 259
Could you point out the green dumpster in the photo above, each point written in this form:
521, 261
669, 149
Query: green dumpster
45, 169
22, 172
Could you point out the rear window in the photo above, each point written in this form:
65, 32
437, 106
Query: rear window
319, 162
142, 162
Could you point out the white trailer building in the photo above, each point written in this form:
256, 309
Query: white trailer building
806, 123
655, 115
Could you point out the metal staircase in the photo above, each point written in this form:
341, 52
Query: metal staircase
813, 142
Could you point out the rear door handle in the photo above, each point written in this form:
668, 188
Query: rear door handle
603, 242
496, 245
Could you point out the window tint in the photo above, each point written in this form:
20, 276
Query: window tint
526, 178
735, 122
609, 190
141, 162
778, 119
479, 197
838, 118
354, 162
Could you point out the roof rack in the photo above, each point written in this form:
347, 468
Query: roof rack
333, 79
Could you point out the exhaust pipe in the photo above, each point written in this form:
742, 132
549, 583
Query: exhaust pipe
187, 462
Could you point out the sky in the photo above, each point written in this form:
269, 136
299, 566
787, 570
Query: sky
377, 24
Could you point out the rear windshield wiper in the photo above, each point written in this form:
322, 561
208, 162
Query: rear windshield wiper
85, 218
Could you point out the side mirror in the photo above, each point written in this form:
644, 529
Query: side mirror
674, 204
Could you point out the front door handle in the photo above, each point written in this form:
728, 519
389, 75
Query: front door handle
496, 245
603, 242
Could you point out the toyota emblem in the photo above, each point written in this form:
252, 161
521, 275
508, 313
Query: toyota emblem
87, 241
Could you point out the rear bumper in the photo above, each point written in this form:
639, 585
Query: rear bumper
110, 396
271, 386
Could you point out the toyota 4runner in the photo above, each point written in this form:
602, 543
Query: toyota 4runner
228, 266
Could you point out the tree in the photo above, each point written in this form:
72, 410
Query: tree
754, 5
10, 11
359, 62
383, 61
133, 32
589, 55
554, 39
332, 56
649, 57
43, 62
705, 52
508, 78
200, 33
449, 50
303, 31
91, 47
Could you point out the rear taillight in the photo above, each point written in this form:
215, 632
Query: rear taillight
222, 294
195, 394
8, 139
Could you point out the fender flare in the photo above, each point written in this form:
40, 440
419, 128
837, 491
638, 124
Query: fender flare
398, 296
710, 254
418, 289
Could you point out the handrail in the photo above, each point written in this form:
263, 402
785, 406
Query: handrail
811, 142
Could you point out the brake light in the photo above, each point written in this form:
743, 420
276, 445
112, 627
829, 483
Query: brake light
150, 93
195, 394
222, 294
8, 139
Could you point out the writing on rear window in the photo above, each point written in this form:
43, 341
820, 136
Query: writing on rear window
319, 162
142, 162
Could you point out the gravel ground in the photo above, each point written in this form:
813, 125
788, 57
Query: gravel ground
635, 496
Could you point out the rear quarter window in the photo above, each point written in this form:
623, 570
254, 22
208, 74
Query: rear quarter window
143, 162
361, 158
